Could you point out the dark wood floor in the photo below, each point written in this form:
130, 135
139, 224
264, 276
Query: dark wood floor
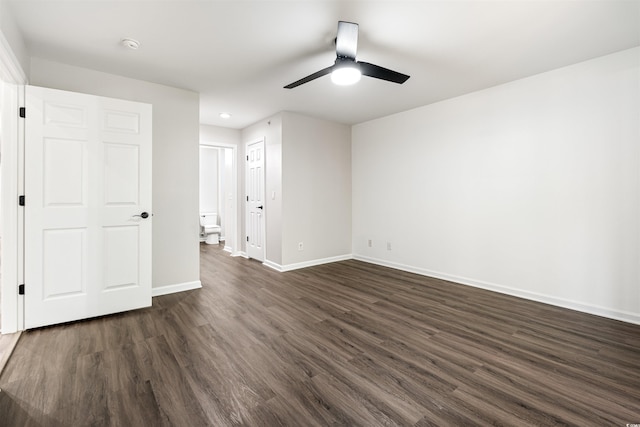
341, 344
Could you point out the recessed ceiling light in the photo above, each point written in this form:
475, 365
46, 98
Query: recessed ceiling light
131, 43
225, 115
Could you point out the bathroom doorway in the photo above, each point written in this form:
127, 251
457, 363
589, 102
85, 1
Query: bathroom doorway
218, 190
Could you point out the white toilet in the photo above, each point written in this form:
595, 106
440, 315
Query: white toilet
209, 228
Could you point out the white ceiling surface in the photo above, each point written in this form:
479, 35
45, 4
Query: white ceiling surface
239, 54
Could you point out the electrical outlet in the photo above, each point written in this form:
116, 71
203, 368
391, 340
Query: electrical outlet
388, 246
300, 246
370, 244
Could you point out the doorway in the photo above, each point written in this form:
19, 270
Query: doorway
218, 190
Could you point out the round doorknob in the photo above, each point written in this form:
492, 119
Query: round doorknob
144, 215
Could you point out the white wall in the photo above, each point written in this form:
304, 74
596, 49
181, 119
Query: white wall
12, 40
307, 187
530, 188
209, 176
175, 160
316, 188
227, 195
219, 135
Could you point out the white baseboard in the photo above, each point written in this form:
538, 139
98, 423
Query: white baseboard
533, 296
240, 254
178, 287
228, 249
296, 266
273, 265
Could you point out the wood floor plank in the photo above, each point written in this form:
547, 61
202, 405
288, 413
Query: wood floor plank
170, 386
342, 344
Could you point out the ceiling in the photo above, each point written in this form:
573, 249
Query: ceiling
239, 54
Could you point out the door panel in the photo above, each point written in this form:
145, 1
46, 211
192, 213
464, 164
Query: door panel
64, 258
65, 172
65, 115
255, 222
121, 261
121, 174
87, 179
120, 121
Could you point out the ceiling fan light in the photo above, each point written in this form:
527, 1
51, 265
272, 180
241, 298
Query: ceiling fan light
344, 76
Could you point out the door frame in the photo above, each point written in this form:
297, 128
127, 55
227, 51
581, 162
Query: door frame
13, 79
234, 230
244, 197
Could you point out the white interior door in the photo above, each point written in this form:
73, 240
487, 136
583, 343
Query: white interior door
88, 206
254, 179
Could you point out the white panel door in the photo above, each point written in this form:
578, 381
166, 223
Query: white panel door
254, 179
88, 206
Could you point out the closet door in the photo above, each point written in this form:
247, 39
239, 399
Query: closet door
255, 222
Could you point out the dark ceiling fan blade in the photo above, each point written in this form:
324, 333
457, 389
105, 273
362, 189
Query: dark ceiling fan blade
310, 77
347, 40
346, 49
382, 73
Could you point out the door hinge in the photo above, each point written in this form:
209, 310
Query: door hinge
247, 198
20, 200
20, 289
23, 112
247, 238
247, 158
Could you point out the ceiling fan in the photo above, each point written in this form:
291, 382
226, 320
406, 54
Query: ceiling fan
346, 70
